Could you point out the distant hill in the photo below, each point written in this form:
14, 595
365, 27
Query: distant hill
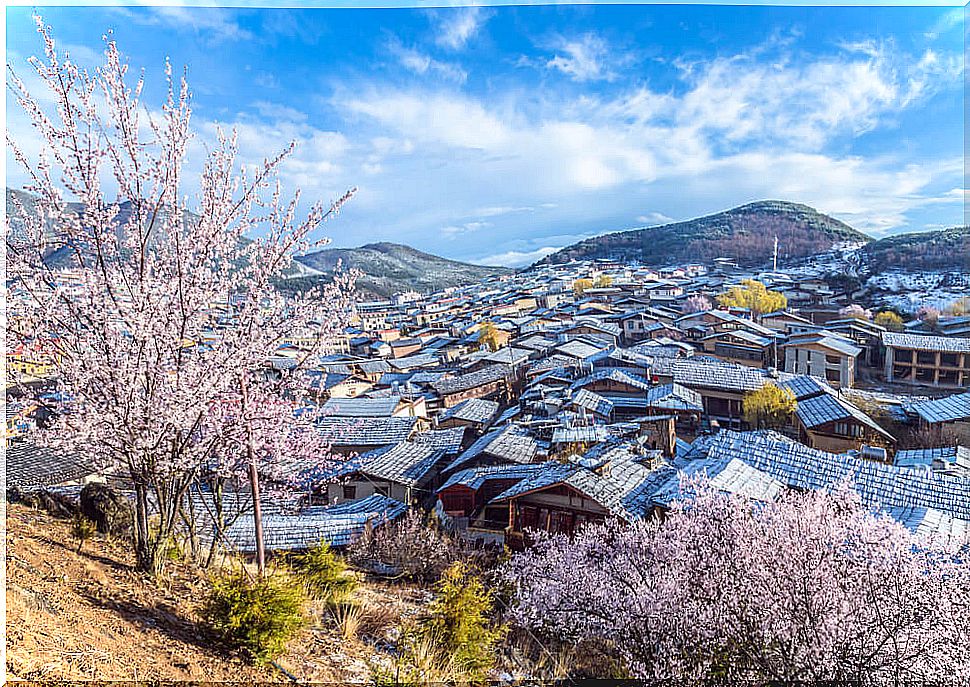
928, 250
389, 268
746, 234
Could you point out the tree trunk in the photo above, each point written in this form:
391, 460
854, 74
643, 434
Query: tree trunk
146, 555
151, 538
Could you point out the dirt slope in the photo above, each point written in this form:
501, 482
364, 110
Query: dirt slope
82, 616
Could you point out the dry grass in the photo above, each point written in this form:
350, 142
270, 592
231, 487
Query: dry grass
91, 616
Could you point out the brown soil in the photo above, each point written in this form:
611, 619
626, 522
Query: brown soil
90, 615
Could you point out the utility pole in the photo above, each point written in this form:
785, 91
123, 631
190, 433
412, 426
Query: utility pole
774, 261
253, 477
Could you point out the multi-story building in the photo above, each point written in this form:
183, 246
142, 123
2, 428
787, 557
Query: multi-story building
930, 360
822, 354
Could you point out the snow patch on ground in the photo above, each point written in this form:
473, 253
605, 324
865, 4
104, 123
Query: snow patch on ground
910, 290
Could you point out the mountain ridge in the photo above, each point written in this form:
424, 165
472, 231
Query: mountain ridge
745, 233
921, 250
389, 268
386, 267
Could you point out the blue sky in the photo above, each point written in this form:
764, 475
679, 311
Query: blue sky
498, 134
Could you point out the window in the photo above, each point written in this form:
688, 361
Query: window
848, 429
383, 490
926, 358
833, 359
350, 491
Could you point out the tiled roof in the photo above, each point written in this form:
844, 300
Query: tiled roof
826, 339
29, 466
674, 397
934, 527
552, 472
579, 349
614, 375
474, 478
801, 467
946, 344
511, 443
729, 474
605, 327
477, 410
818, 410
716, 375
447, 440
956, 407
374, 366
574, 435
404, 463
471, 380
509, 355
366, 431
552, 362
411, 361
536, 343
945, 458
625, 487
361, 407
805, 386
593, 402
746, 336
338, 525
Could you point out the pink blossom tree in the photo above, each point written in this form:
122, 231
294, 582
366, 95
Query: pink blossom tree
807, 588
696, 303
165, 313
857, 311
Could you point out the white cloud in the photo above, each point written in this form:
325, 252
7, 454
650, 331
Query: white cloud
517, 258
420, 63
269, 110
652, 218
741, 128
586, 58
212, 23
457, 26
501, 210
951, 19
439, 117
452, 231
439, 162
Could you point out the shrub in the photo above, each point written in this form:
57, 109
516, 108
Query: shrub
323, 574
411, 547
82, 529
459, 618
259, 615
455, 641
